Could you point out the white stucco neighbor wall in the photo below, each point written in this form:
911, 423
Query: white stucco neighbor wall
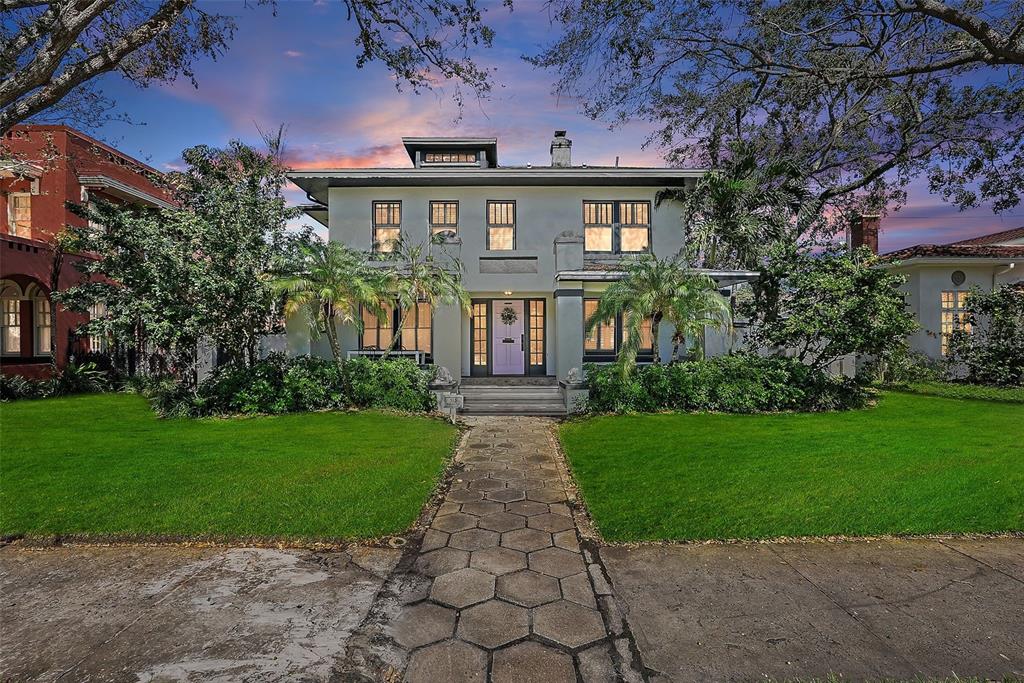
924, 287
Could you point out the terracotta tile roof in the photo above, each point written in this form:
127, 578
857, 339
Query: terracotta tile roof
956, 251
996, 237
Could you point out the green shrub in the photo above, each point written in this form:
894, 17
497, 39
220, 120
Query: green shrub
278, 384
991, 350
75, 378
962, 390
734, 384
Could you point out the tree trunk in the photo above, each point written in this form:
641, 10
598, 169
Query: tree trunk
332, 334
394, 337
655, 324
56, 265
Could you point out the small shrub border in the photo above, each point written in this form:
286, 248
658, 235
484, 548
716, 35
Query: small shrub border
82, 378
733, 384
279, 384
962, 390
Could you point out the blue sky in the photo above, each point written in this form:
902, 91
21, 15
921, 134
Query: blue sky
298, 69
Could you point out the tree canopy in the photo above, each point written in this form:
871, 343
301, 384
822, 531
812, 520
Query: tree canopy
860, 95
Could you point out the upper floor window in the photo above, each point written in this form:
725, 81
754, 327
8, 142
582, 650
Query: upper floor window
617, 227
450, 158
19, 214
501, 225
387, 225
444, 217
953, 316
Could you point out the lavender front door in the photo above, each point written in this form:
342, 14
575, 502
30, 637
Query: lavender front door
508, 324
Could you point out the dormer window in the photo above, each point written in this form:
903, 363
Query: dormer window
450, 158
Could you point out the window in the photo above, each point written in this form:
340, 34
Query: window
597, 226
501, 225
646, 338
377, 333
11, 326
43, 329
416, 329
19, 214
536, 332
98, 343
416, 333
602, 338
620, 227
387, 225
480, 334
444, 217
953, 316
635, 226
450, 158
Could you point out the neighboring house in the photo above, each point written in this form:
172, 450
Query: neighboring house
939, 277
46, 168
538, 244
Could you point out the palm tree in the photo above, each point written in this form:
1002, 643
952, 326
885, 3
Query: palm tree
659, 290
333, 284
418, 276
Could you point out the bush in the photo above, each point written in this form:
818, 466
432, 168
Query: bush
978, 392
902, 366
278, 384
82, 378
734, 384
992, 352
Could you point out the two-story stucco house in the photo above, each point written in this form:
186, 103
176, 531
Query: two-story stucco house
538, 244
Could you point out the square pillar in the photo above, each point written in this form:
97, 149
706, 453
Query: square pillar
568, 327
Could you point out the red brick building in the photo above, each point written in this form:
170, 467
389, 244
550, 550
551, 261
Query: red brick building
46, 168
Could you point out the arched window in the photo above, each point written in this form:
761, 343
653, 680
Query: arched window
10, 318
42, 330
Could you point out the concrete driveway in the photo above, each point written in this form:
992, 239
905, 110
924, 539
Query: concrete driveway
863, 609
136, 613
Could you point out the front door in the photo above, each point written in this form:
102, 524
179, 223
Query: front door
508, 327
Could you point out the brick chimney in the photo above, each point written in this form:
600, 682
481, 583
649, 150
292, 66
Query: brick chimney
864, 232
561, 150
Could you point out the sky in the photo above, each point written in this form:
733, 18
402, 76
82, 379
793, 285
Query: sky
297, 69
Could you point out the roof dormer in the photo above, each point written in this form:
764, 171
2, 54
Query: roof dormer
452, 152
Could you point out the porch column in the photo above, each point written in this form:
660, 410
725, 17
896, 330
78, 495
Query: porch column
448, 339
568, 327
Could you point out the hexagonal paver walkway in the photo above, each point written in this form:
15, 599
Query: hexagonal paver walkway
501, 589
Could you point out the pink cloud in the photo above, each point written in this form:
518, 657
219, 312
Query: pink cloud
292, 53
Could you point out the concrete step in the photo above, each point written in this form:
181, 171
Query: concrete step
519, 396
510, 405
505, 410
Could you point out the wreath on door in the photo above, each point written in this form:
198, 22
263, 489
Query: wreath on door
508, 315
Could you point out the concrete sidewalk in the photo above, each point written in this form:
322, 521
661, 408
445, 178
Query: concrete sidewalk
863, 609
137, 613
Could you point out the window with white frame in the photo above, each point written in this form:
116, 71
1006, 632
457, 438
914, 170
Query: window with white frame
98, 343
19, 214
10, 318
387, 225
954, 316
43, 327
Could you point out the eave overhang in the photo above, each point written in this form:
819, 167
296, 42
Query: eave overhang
317, 183
123, 191
317, 212
720, 276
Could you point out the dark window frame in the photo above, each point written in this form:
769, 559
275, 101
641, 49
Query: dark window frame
515, 219
474, 157
396, 331
444, 227
605, 356
617, 225
374, 226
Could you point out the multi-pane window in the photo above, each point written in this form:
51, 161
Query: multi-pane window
43, 329
387, 225
444, 217
11, 319
416, 329
480, 334
501, 225
537, 332
98, 343
378, 331
646, 338
602, 337
416, 332
19, 216
954, 316
597, 226
450, 158
620, 227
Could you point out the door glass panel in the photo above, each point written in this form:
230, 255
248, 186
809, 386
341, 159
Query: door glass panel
536, 333
480, 334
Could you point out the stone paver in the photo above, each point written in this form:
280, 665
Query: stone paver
497, 581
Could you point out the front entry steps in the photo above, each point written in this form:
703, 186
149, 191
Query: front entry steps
493, 399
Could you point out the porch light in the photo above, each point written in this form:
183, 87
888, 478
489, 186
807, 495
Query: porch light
508, 292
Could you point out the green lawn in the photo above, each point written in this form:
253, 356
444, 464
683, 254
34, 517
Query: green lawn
911, 465
105, 465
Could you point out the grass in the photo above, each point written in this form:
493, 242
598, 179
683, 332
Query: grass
911, 465
956, 390
104, 465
